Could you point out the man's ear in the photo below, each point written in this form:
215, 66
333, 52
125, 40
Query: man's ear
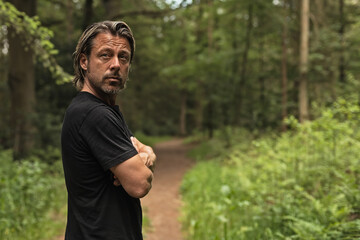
83, 61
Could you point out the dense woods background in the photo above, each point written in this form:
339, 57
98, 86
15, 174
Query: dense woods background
201, 67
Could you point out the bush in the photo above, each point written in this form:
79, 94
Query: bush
303, 184
30, 191
150, 140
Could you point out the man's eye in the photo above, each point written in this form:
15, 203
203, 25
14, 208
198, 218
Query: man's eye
105, 55
124, 57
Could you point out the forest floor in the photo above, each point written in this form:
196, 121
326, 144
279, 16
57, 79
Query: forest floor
161, 206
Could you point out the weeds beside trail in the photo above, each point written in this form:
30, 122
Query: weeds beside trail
303, 184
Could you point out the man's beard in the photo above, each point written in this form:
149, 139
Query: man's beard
108, 89
112, 91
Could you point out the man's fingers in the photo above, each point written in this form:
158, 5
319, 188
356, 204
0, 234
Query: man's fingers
116, 182
134, 143
146, 153
144, 157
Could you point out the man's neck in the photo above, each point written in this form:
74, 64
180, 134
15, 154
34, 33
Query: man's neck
107, 98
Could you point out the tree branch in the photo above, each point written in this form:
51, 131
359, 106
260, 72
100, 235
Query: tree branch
153, 13
144, 12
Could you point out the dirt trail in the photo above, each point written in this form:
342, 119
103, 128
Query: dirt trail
162, 204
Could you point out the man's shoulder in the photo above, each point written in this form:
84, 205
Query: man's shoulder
83, 105
87, 110
83, 99
85, 102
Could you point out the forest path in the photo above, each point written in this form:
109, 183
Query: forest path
163, 202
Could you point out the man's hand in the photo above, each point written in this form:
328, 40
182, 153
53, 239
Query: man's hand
146, 153
116, 182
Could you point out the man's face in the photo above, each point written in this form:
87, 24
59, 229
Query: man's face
107, 67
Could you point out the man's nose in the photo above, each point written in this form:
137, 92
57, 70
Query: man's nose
115, 63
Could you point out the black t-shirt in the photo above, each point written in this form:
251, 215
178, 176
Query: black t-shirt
95, 138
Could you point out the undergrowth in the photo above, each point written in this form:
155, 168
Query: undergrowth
150, 140
32, 193
302, 184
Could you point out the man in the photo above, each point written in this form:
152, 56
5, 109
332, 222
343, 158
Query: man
106, 169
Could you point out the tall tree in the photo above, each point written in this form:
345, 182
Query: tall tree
22, 85
70, 19
235, 63
342, 42
184, 92
244, 63
88, 13
112, 8
284, 69
210, 37
304, 55
199, 32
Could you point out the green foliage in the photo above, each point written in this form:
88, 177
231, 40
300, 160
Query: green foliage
150, 140
303, 184
218, 147
31, 192
36, 37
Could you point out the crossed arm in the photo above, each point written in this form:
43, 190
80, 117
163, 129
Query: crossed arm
146, 153
136, 173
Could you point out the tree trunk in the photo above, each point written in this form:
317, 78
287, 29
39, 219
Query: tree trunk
247, 44
240, 89
260, 122
210, 120
88, 13
183, 110
112, 8
22, 86
341, 34
235, 69
69, 20
304, 55
199, 117
284, 74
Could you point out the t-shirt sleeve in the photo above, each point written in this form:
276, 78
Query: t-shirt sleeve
107, 138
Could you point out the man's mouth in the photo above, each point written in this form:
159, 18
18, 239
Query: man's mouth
114, 78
